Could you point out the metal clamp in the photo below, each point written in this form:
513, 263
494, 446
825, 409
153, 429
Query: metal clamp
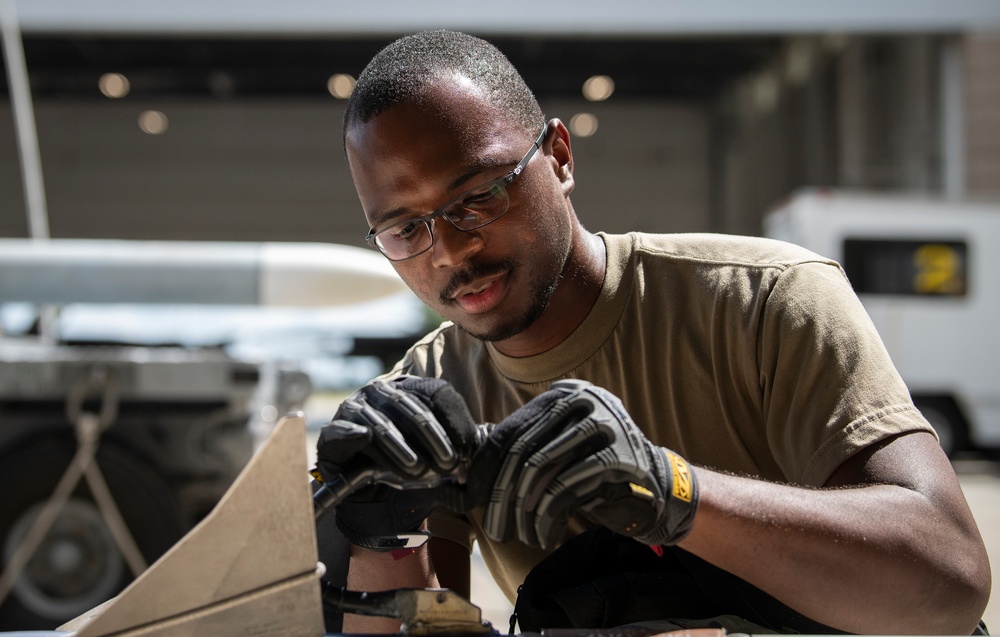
420, 611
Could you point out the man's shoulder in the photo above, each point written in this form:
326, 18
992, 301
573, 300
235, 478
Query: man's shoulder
718, 249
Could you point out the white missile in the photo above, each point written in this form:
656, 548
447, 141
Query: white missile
211, 273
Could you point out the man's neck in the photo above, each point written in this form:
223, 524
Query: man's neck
578, 290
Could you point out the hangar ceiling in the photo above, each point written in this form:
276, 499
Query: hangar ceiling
234, 67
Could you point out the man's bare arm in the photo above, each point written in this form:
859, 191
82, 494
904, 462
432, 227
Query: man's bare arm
894, 550
439, 563
374, 571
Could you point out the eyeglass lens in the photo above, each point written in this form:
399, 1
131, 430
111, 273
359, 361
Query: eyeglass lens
471, 210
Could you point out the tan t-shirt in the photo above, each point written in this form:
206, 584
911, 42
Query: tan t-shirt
746, 355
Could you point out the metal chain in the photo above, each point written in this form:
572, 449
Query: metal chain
88, 427
102, 381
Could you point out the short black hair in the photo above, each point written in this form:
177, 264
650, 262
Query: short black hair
403, 69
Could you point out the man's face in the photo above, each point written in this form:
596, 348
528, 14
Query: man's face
495, 281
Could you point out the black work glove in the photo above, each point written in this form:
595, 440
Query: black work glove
573, 449
409, 440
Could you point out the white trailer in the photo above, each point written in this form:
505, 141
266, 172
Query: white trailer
924, 269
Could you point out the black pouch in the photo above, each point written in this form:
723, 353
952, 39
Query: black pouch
600, 579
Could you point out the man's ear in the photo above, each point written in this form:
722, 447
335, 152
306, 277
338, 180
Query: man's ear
562, 154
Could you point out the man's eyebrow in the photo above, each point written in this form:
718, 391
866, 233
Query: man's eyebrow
388, 216
454, 184
476, 170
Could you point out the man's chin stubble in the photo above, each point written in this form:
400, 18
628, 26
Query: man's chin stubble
510, 328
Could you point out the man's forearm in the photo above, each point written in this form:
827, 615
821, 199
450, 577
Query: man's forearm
876, 559
375, 571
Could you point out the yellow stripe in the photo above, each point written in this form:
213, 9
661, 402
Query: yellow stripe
640, 491
682, 477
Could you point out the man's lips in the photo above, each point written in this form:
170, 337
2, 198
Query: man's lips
473, 279
481, 295
475, 287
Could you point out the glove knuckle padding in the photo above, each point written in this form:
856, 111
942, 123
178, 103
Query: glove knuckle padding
384, 445
340, 440
414, 431
403, 423
575, 448
499, 464
442, 398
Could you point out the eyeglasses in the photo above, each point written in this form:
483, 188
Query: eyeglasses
470, 210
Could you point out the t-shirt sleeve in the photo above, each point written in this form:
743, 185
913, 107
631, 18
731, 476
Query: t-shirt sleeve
449, 525
830, 388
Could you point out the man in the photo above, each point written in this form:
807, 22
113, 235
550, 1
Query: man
796, 460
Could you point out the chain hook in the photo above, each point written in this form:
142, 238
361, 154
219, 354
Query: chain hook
99, 381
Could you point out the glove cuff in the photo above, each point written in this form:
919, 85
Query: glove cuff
680, 502
384, 543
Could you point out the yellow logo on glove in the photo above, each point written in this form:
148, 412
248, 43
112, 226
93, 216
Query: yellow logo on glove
641, 491
682, 477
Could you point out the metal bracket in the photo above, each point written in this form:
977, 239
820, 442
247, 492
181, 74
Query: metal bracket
421, 611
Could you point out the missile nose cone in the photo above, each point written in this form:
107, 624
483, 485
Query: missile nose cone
312, 275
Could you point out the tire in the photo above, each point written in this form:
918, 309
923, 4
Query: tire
942, 414
78, 565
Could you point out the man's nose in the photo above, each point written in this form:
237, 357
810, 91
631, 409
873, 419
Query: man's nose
451, 245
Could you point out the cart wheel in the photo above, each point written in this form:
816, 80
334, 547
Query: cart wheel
78, 565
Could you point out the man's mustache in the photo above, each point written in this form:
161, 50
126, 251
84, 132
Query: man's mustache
472, 272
